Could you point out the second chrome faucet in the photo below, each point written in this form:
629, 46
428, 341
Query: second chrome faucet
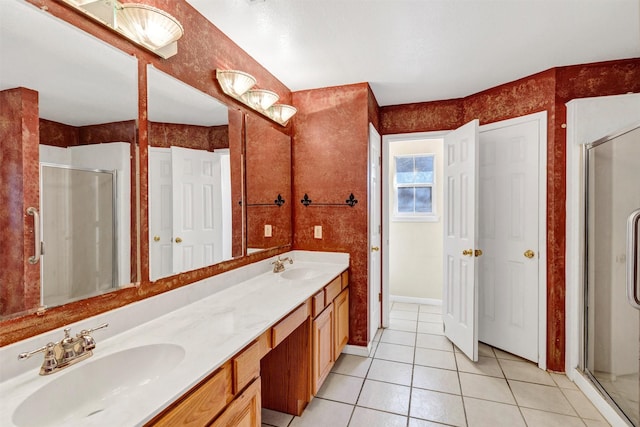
278, 264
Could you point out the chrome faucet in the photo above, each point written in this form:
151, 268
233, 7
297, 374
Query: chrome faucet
66, 352
278, 264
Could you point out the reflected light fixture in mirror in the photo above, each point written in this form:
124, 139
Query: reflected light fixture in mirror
147, 26
237, 84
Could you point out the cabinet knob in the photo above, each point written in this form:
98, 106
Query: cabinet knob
529, 254
178, 240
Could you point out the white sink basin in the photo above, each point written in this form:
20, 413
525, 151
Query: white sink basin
301, 273
97, 384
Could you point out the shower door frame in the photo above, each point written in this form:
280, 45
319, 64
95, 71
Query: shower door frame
114, 206
584, 357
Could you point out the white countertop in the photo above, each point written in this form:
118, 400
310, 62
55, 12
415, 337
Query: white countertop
210, 330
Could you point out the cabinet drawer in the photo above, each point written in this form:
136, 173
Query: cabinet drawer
318, 303
200, 406
345, 279
246, 366
332, 290
289, 324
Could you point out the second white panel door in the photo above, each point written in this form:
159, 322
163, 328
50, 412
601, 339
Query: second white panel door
508, 237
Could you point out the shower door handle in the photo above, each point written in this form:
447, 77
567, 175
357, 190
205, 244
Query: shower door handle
632, 259
36, 235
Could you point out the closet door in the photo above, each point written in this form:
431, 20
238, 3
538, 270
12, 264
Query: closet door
460, 295
160, 213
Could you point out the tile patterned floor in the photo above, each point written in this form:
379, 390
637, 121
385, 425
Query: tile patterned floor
415, 377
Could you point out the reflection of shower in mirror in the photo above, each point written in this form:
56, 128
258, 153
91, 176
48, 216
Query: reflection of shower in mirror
85, 224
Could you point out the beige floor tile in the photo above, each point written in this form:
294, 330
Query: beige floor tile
430, 317
275, 418
563, 381
403, 325
394, 352
501, 354
439, 407
403, 315
323, 413
405, 306
525, 371
436, 342
596, 423
485, 387
485, 350
582, 405
365, 417
341, 388
348, 364
435, 358
391, 372
398, 337
384, 397
536, 418
424, 308
436, 328
416, 422
436, 379
484, 365
481, 413
542, 397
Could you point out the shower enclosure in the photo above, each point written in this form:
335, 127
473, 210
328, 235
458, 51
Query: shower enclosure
611, 356
78, 219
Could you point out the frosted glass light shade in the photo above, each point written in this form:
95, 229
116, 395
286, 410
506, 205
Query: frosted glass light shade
260, 98
281, 113
147, 25
235, 83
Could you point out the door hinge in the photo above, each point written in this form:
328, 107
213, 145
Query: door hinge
379, 296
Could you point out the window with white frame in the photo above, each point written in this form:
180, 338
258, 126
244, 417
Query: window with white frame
413, 183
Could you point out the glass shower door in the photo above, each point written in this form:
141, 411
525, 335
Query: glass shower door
612, 317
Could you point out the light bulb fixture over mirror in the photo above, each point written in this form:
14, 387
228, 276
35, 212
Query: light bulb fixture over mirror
147, 26
238, 84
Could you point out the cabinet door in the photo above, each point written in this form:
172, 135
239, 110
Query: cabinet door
244, 411
341, 322
322, 347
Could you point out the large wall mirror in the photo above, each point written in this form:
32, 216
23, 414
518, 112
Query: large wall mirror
268, 176
88, 107
192, 202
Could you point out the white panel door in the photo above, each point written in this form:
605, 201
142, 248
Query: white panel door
375, 228
460, 296
160, 213
508, 237
194, 193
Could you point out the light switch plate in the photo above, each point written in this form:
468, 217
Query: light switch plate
317, 232
267, 230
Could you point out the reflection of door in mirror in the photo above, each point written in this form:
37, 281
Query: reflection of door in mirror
190, 209
268, 178
86, 99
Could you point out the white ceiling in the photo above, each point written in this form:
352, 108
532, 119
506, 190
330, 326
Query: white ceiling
424, 50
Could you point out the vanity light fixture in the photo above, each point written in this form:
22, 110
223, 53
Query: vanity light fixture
147, 26
238, 84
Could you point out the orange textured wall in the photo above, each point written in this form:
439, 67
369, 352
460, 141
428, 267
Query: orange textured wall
330, 148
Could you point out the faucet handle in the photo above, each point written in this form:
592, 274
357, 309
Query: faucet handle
88, 331
28, 354
87, 342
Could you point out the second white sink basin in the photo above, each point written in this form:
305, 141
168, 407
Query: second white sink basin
97, 384
302, 273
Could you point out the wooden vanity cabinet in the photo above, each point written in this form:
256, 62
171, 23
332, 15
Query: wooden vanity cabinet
244, 411
330, 330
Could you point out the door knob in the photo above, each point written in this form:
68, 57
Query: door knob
529, 253
375, 248
478, 252
467, 252
156, 238
178, 240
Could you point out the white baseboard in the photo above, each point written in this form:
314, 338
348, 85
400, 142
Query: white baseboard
358, 350
598, 401
415, 300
